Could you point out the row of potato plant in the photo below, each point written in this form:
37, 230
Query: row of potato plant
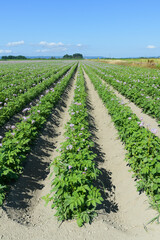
73, 194
15, 89
21, 101
17, 141
142, 145
24, 113
145, 81
142, 95
14, 74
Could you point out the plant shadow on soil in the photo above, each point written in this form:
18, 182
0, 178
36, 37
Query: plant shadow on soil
104, 181
36, 166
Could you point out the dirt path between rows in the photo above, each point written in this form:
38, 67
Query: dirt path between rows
124, 211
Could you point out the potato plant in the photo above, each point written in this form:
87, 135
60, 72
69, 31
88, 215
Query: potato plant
139, 85
17, 141
142, 145
73, 193
13, 106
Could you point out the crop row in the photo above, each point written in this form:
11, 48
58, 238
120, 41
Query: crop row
20, 79
25, 112
16, 143
73, 193
141, 93
16, 73
21, 101
146, 81
15, 89
142, 145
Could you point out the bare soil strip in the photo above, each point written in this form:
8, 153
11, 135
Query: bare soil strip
124, 211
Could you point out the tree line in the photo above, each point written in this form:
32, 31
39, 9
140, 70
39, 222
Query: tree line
74, 56
13, 57
20, 57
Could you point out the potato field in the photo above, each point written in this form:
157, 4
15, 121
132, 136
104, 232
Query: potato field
79, 151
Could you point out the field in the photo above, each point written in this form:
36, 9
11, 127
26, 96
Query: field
139, 62
79, 151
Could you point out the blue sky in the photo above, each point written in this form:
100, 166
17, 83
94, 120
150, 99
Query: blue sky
94, 28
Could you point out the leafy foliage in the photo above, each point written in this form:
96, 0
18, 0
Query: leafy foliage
143, 146
139, 85
14, 98
73, 194
74, 56
16, 143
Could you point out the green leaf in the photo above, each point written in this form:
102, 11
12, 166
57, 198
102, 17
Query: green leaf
80, 222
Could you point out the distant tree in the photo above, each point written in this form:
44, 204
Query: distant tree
78, 56
10, 57
74, 56
4, 57
67, 56
52, 58
21, 57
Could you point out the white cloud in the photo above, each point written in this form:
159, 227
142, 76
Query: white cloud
59, 44
151, 46
51, 50
51, 44
53, 47
42, 50
12, 44
79, 45
5, 51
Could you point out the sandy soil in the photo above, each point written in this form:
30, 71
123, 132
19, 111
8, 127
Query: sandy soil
124, 211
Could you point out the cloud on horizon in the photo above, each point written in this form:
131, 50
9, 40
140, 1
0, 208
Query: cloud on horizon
40, 47
79, 45
62, 49
151, 46
13, 44
56, 47
51, 44
5, 51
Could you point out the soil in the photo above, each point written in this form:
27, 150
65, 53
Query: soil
122, 215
